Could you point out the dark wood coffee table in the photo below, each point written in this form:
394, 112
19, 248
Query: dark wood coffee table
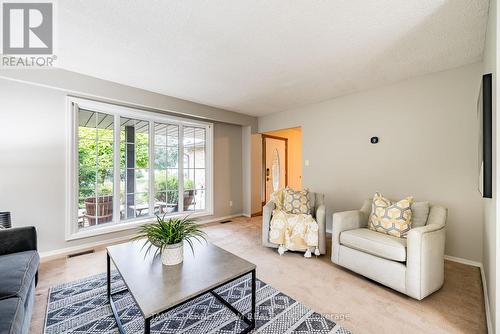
157, 289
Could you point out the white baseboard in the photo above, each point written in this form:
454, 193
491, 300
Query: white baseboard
486, 301
463, 261
218, 219
63, 252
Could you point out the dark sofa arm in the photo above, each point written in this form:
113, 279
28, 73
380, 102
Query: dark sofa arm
19, 239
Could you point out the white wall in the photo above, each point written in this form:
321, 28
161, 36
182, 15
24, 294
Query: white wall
32, 163
490, 231
428, 148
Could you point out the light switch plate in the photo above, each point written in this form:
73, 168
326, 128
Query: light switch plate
306, 162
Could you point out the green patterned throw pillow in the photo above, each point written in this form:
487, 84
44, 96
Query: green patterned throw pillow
296, 201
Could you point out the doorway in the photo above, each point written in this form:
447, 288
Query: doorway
274, 164
286, 144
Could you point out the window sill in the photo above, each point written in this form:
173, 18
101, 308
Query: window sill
124, 226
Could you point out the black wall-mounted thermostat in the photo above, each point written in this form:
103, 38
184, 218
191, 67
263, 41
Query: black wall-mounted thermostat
374, 140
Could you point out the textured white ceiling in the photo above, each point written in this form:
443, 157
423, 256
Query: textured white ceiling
261, 56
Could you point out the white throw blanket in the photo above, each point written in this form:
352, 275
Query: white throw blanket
295, 232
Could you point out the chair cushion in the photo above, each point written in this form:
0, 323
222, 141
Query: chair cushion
17, 272
419, 214
312, 202
12, 314
375, 243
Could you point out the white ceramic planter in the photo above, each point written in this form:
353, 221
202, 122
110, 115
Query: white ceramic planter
172, 254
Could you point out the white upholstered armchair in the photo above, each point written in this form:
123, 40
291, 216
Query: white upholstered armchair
317, 211
413, 266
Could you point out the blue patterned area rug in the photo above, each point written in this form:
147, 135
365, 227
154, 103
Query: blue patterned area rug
82, 307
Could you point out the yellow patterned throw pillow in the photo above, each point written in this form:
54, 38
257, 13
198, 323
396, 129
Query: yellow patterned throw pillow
277, 198
393, 218
296, 201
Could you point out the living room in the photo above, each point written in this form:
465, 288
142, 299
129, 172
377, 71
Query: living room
234, 167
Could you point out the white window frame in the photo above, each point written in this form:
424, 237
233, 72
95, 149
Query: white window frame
73, 105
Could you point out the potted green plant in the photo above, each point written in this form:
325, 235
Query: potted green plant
168, 236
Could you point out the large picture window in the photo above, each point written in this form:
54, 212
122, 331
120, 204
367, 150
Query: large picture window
130, 165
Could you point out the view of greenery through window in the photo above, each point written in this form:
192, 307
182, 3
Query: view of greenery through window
96, 169
88, 150
166, 147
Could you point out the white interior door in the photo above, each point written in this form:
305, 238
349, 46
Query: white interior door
275, 165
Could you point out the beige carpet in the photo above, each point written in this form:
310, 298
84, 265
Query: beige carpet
356, 303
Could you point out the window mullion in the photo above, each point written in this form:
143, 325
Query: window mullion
96, 177
209, 156
151, 168
75, 169
194, 168
181, 168
116, 169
